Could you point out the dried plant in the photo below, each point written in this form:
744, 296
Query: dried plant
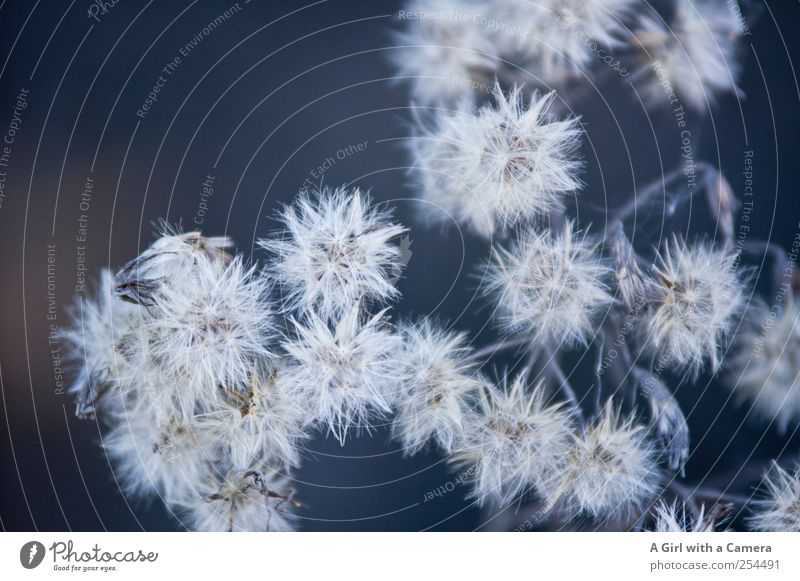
210, 373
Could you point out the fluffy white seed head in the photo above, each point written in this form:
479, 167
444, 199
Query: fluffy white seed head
171, 259
438, 388
765, 368
515, 442
674, 518
696, 296
558, 34
166, 459
694, 56
550, 286
260, 424
779, 509
609, 470
335, 252
444, 51
344, 372
251, 501
504, 164
104, 344
208, 333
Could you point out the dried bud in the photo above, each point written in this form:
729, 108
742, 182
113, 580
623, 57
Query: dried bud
666, 419
631, 281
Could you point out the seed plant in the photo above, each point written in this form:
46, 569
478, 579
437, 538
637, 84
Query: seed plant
210, 371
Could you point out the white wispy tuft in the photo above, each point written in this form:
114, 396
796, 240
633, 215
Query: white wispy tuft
150, 458
500, 165
260, 424
171, 259
557, 35
779, 509
445, 52
697, 294
336, 251
552, 286
103, 343
765, 368
515, 442
345, 373
438, 390
674, 518
251, 501
609, 471
694, 55
207, 333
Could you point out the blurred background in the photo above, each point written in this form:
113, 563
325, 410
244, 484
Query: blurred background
279, 95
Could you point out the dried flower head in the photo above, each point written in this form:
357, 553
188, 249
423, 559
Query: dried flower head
551, 286
498, 166
674, 519
102, 340
344, 372
439, 386
208, 333
559, 33
609, 470
696, 296
336, 251
261, 424
779, 509
172, 258
765, 367
444, 51
252, 501
515, 442
694, 56
168, 459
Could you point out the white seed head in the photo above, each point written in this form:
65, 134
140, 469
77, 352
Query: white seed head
445, 52
515, 442
696, 296
558, 34
694, 56
103, 341
437, 391
345, 373
251, 501
167, 459
335, 252
501, 165
779, 509
672, 518
261, 424
765, 367
171, 259
208, 333
609, 470
550, 286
